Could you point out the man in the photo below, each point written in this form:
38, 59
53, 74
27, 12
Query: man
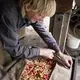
15, 14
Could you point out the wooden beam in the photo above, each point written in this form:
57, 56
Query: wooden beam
63, 5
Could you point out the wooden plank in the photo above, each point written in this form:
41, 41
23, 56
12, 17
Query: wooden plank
64, 30
60, 28
60, 73
57, 26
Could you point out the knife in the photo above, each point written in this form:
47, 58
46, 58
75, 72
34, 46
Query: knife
58, 59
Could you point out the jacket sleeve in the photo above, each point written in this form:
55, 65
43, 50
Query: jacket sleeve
9, 37
46, 36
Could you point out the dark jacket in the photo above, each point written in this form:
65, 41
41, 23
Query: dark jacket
10, 22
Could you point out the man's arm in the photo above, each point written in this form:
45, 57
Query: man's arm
46, 36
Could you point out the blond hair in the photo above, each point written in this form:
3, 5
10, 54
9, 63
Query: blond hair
39, 6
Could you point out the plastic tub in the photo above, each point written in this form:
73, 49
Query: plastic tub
72, 42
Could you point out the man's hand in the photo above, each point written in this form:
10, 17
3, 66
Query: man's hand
48, 53
66, 59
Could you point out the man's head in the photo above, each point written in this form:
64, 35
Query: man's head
36, 10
